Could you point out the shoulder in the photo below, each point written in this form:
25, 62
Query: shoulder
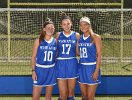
97, 38
36, 42
57, 35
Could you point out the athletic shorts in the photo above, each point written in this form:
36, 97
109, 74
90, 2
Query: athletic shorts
45, 76
66, 68
85, 73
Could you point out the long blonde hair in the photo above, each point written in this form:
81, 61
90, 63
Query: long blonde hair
92, 35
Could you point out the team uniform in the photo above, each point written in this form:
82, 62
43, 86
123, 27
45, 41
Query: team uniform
87, 62
66, 65
45, 63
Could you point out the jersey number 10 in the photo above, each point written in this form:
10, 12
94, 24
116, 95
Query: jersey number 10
48, 55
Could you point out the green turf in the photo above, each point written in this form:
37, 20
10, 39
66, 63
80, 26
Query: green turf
77, 98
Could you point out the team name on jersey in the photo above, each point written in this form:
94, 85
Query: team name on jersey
66, 41
48, 47
85, 44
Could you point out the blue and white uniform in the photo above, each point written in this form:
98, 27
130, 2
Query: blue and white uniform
66, 65
87, 62
45, 63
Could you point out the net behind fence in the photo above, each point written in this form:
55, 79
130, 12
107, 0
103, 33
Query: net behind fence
25, 25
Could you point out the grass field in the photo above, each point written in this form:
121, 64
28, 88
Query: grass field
21, 50
77, 98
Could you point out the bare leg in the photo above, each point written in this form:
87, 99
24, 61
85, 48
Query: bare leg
71, 88
91, 91
83, 88
49, 92
36, 92
62, 85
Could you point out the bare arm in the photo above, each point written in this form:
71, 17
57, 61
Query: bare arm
98, 43
78, 37
57, 35
33, 60
34, 52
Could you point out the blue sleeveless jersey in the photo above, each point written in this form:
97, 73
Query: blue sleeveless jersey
46, 52
87, 63
67, 45
87, 50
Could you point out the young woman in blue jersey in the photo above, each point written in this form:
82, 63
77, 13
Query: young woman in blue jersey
43, 62
66, 64
90, 47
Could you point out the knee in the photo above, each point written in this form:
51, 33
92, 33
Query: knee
48, 94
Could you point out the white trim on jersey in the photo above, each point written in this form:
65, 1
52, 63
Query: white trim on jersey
60, 58
89, 83
91, 63
84, 38
49, 41
45, 66
67, 78
44, 85
67, 35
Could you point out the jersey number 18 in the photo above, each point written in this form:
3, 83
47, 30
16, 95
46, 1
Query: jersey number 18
83, 53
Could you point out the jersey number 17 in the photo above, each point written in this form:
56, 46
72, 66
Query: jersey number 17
66, 48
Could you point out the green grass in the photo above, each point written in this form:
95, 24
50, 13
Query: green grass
77, 98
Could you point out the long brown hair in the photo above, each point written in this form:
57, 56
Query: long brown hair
42, 33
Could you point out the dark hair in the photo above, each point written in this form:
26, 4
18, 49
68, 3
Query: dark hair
48, 21
42, 33
64, 16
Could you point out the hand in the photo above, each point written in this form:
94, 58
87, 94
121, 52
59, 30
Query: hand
95, 75
34, 76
